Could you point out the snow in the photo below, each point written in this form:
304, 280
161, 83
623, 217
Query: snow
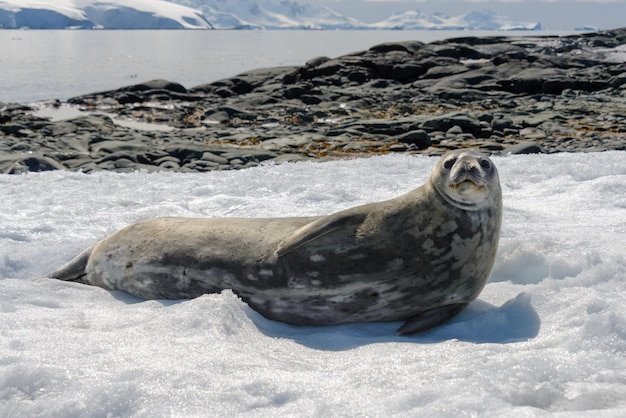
547, 336
41, 14
271, 14
143, 14
108, 14
66, 7
486, 20
240, 14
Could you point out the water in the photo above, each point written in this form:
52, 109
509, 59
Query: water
40, 65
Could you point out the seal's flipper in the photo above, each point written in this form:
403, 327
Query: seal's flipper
430, 319
319, 228
73, 271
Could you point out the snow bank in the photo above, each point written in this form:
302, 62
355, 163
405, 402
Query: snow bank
547, 335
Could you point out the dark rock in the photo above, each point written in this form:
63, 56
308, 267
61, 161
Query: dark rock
562, 93
419, 138
314, 62
386, 126
113, 147
359, 76
33, 163
156, 85
408, 46
14, 129
444, 122
296, 91
500, 124
407, 72
310, 99
128, 98
186, 153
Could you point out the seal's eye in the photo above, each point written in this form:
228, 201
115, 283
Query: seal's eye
485, 164
448, 164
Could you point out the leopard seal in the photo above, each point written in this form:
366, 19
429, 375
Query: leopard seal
420, 257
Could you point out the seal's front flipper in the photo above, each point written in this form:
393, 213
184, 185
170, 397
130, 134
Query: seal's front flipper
430, 319
319, 228
73, 271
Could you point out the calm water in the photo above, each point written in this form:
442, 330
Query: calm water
39, 65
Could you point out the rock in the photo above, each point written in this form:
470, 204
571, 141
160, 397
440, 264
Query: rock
465, 122
532, 133
218, 116
407, 46
317, 61
528, 147
16, 130
213, 158
500, 124
156, 85
554, 93
419, 138
186, 153
455, 130
398, 148
33, 163
114, 147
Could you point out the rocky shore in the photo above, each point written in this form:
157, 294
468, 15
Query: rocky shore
498, 94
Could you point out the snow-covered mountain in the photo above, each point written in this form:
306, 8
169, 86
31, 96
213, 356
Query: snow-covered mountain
416, 20
225, 14
41, 14
105, 14
271, 14
289, 14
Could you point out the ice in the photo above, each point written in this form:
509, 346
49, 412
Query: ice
547, 336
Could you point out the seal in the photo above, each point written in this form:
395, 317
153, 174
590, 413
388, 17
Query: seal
421, 257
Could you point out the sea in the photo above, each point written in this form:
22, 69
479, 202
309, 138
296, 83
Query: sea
39, 65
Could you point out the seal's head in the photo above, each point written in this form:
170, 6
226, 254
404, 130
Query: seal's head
467, 179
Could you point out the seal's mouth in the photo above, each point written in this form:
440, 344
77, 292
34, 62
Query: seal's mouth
465, 176
466, 183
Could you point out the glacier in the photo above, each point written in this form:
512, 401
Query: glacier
99, 14
481, 20
231, 14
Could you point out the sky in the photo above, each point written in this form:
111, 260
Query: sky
553, 14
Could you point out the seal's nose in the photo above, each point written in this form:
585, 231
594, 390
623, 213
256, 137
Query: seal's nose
464, 166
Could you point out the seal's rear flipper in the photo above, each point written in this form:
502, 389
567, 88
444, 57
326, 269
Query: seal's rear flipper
430, 319
73, 271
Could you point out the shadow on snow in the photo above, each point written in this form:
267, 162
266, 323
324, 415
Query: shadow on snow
479, 323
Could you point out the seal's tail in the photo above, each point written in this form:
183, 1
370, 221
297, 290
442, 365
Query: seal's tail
73, 271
